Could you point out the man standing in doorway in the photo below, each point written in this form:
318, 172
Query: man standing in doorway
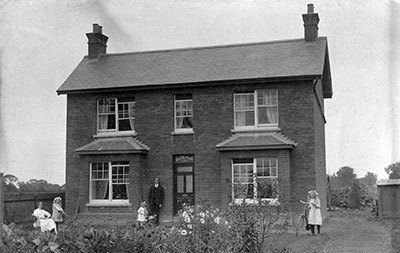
156, 199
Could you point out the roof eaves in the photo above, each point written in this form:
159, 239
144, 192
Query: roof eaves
260, 147
188, 84
110, 152
326, 77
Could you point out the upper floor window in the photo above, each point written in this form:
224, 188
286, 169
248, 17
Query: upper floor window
109, 182
115, 115
256, 109
255, 179
183, 112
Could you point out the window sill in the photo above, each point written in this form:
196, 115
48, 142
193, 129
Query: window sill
259, 129
264, 202
187, 132
113, 134
109, 204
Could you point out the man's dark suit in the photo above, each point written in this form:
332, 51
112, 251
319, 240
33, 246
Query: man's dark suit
156, 200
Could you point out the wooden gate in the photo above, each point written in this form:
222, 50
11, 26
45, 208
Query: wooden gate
389, 198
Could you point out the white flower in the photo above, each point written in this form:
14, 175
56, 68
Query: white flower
187, 219
202, 214
189, 226
183, 232
202, 220
216, 220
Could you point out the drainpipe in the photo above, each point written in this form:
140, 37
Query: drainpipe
316, 97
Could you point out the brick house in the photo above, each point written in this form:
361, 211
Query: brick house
215, 123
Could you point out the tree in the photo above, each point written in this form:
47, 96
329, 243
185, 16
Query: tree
346, 175
39, 185
11, 183
393, 170
369, 179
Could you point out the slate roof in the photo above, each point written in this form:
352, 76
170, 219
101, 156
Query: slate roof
256, 141
265, 60
117, 145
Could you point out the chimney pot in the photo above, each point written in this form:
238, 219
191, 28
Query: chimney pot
95, 28
310, 8
311, 21
97, 42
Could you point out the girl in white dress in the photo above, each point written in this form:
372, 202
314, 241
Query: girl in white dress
58, 212
314, 214
143, 214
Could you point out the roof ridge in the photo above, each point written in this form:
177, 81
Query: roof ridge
141, 143
283, 138
208, 47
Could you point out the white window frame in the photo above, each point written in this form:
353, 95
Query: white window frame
255, 109
189, 115
272, 164
131, 105
111, 181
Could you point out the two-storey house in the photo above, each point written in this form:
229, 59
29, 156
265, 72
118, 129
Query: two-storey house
216, 124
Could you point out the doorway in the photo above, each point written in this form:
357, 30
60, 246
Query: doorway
183, 181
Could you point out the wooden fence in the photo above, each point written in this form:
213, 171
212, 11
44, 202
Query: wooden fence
18, 207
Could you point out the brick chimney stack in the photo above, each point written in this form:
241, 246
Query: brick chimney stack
311, 20
97, 42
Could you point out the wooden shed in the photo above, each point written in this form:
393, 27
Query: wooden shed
389, 198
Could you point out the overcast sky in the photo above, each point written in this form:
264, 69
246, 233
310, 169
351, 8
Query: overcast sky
42, 41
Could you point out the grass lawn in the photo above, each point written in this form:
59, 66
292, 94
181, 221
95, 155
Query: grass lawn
395, 235
344, 230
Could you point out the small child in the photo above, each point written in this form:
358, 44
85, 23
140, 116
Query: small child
143, 214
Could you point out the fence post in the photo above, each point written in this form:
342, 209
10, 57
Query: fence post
1, 208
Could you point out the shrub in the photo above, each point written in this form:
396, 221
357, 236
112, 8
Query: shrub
242, 228
199, 228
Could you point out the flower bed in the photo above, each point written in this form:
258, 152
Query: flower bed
200, 228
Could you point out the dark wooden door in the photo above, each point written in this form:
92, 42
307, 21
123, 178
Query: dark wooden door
388, 198
183, 185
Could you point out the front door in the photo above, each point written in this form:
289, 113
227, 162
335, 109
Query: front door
183, 181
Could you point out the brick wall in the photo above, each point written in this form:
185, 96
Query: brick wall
297, 123
320, 160
213, 122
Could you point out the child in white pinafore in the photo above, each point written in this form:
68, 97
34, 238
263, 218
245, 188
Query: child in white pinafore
143, 214
314, 214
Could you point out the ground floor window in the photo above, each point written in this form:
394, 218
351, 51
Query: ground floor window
255, 178
109, 181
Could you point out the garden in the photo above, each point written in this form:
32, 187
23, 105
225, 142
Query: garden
200, 228
204, 228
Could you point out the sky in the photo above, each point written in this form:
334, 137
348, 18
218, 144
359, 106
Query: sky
42, 41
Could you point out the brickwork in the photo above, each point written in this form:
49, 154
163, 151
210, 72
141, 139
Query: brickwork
213, 123
297, 121
320, 162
